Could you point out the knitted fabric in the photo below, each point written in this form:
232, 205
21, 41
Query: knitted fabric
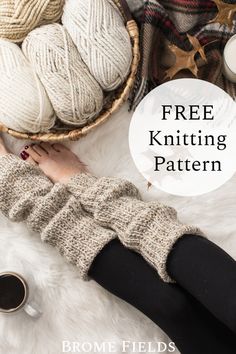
99, 33
24, 104
81, 217
164, 22
75, 95
19, 17
149, 228
28, 195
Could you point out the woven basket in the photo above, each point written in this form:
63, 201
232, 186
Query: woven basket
118, 99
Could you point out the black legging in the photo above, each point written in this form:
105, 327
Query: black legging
185, 320
208, 273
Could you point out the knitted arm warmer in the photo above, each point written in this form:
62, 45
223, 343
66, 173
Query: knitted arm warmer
28, 195
150, 228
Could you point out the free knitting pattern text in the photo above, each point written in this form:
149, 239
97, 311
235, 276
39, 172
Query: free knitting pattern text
183, 139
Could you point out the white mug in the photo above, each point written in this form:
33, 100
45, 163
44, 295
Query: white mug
229, 62
14, 295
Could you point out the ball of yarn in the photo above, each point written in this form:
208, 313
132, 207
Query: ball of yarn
75, 95
19, 17
99, 33
24, 104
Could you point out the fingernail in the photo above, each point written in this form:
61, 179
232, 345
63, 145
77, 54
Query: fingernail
24, 155
26, 147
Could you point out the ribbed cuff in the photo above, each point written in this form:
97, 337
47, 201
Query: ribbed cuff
151, 229
85, 249
157, 250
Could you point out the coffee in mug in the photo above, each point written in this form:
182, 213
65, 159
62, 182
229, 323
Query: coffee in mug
14, 293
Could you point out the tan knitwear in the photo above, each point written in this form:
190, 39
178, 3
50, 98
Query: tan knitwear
81, 217
150, 228
26, 194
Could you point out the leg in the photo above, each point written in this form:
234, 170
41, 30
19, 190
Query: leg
118, 212
208, 273
26, 194
192, 328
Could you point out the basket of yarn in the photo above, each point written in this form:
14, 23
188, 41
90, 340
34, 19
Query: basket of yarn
65, 66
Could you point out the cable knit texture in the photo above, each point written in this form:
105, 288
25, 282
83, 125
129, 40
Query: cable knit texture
150, 228
28, 195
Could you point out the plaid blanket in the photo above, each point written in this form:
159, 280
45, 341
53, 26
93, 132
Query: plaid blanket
169, 21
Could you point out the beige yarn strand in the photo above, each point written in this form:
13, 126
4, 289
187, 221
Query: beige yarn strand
100, 35
19, 17
75, 95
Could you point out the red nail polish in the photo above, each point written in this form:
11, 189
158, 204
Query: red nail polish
24, 155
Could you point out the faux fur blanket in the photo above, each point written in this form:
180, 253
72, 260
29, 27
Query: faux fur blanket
77, 311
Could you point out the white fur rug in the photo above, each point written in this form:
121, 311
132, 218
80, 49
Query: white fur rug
83, 312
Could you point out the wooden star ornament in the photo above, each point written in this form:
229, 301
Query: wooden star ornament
226, 13
186, 59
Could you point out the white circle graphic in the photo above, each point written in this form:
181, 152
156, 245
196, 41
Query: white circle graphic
182, 137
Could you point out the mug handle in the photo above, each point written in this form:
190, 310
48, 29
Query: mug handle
32, 310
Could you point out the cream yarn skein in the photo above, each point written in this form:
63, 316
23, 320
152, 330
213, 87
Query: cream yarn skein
75, 95
100, 35
24, 104
19, 17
